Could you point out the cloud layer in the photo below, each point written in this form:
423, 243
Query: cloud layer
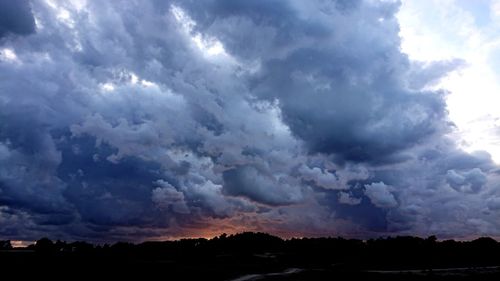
154, 119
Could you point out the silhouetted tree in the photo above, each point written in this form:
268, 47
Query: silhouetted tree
5, 245
45, 246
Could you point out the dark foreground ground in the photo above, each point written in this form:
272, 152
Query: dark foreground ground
257, 256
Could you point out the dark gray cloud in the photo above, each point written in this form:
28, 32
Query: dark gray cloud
16, 18
154, 118
250, 182
335, 94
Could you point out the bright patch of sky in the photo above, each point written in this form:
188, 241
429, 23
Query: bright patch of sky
8, 55
466, 29
207, 45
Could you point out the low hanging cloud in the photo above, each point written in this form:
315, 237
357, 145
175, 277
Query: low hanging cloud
151, 119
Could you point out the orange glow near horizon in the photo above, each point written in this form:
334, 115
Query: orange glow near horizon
21, 243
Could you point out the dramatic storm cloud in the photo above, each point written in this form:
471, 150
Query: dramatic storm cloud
152, 119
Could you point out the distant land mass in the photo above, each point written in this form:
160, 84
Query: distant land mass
259, 256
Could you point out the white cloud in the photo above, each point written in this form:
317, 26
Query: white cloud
321, 178
8, 55
209, 46
441, 30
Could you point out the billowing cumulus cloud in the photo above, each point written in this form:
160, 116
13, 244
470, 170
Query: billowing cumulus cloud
363, 107
380, 195
147, 119
471, 181
167, 196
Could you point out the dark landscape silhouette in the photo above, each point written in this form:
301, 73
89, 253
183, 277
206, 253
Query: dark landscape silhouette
260, 256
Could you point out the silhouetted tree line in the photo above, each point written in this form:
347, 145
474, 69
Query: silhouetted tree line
228, 256
402, 251
5, 245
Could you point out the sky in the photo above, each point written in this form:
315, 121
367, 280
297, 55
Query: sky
160, 119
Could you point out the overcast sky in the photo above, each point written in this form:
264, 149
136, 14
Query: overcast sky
136, 120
